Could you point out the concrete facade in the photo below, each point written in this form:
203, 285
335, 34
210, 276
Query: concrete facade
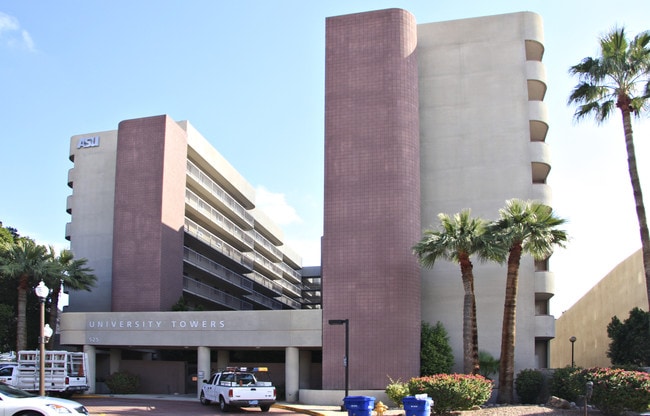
419, 119
476, 96
483, 127
620, 291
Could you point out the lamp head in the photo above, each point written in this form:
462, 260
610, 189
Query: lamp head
42, 291
337, 321
572, 339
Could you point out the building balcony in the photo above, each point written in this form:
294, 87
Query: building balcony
215, 295
71, 177
218, 196
217, 271
544, 327
540, 157
538, 119
544, 285
68, 204
543, 193
536, 76
229, 230
68, 230
216, 243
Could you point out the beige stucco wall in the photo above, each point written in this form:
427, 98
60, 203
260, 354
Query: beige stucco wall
91, 209
616, 294
475, 153
214, 329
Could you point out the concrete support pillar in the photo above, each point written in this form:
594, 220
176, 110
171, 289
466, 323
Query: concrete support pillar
91, 367
202, 367
223, 359
291, 374
114, 361
305, 369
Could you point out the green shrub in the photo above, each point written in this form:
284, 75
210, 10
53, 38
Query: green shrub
453, 391
489, 366
529, 385
123, 382
396, 391
566, 385
436, 355
615, 391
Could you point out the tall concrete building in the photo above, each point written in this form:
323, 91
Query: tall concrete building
419, 119
423, 119
160, 214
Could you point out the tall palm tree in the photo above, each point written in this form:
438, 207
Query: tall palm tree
68, 272
619, 78
458, 238
27, 263
524, 227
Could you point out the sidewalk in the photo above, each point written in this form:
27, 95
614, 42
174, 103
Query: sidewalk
313, 410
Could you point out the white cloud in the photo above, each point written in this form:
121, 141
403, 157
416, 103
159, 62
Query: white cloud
276, 207
12, 35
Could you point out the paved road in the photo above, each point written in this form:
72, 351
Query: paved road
118, 406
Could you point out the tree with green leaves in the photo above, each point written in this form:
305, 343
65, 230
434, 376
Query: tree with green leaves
630, 339
26, 263
618, 78
68, 272
524, 227
458, 238
436, 355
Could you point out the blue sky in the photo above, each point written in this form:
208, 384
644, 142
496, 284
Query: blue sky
249, 75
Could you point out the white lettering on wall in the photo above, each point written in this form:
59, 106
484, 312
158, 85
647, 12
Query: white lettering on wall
144, 325
88, 142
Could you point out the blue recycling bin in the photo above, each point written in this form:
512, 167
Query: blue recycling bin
417, 405
359, 405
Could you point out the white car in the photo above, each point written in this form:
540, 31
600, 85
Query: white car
14, 401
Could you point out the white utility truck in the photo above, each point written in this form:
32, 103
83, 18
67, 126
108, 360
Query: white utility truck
64, 372
238, 387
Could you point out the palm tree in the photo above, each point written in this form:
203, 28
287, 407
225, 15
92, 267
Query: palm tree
27, 263
68, 272
619, 78
524, 228
460, 237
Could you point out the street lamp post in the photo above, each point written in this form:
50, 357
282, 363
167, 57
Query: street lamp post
346, 360
41, 292
573, 341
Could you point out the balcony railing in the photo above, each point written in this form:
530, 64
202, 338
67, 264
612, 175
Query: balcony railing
216, 269
215, 295
219, 219
201, 233
215, 189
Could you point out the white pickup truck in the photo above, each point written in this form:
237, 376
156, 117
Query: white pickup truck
64, 372
238, 387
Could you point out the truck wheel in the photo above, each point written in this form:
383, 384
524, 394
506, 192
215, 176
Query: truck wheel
204, 401
265, 407
222, 404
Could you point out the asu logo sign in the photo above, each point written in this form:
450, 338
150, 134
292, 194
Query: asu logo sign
88, 142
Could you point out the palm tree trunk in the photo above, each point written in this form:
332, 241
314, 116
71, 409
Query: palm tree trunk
638, 196
466, 272
21, 321
508, 331
476, 367
54, 314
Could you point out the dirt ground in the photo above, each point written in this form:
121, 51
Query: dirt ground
524, 411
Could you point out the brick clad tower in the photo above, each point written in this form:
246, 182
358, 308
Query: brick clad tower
372, 199
149, 214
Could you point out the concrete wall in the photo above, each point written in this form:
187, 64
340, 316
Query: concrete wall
475, 137
620, 291
91, 207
